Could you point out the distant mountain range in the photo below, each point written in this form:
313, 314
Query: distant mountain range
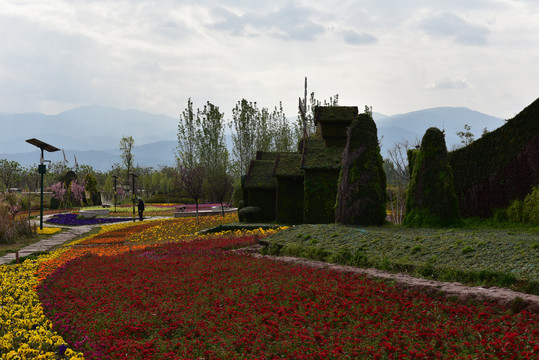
92, 133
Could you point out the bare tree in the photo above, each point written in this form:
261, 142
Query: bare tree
192, 181
398, 175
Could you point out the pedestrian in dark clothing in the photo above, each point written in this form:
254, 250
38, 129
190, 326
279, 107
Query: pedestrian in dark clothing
140, 208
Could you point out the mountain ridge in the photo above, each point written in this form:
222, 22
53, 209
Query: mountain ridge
93, 133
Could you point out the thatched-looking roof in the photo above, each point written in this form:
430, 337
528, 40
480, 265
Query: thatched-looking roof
317, 156
332, 122
332, 114
266, 155
260, 175
287, 165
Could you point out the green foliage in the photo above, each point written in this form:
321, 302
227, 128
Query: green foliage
514, 211
527, 210
237, 194
530, 207
126, 153
258, 129
320, 192
361, 197
431, 195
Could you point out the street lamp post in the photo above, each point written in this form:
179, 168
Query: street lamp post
133, 191
42, 170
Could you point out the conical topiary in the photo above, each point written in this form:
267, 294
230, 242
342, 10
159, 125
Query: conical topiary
431, 197
361, 197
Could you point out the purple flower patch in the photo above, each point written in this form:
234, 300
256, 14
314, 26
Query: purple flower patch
73, 220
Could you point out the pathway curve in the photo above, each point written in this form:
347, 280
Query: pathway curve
48, 243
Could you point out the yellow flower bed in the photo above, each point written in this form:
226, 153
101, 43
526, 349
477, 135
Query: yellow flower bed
48, 230
25, 333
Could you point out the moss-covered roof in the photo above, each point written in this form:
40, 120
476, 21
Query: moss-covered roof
260, 175
317, 156
266, 155
287, 165
335, 114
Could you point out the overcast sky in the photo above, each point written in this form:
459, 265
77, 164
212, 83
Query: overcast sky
394, 55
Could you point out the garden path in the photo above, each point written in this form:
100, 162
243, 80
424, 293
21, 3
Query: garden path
48, 243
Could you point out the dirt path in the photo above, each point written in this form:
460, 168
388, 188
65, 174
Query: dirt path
464, 294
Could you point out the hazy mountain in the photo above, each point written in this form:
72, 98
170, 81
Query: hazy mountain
412, 125
92, 133
84, 128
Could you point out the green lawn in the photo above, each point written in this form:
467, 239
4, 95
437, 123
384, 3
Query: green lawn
508, 258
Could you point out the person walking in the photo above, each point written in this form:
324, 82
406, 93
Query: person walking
140, 208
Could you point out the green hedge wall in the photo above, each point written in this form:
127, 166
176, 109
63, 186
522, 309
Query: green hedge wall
290, 200
320, 194
265, 200
500, 167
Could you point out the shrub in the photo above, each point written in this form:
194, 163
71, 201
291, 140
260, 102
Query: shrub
530, 207
11, 228
514, 211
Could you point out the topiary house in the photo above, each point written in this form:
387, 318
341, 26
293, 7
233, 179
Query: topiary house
501, 166
302, 186
289, 191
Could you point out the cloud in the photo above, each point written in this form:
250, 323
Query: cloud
290, 22
449, 83
355, 38
453, 26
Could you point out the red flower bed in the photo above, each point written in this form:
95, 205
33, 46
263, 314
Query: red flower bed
191, 300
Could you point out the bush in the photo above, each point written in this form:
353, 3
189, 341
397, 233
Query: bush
514, 211
530, 207
527, 210
12, 229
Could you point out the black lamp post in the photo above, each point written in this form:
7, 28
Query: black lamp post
134, 192
42, 170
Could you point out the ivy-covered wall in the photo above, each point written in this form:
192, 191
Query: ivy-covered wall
290, 200
265, 200
500, 167
320, 194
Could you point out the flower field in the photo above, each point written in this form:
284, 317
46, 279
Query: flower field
153, 290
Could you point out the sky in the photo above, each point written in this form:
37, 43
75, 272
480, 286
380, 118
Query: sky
394, 55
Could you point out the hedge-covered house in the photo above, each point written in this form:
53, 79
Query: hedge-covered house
321, 161
302, 186
289, 191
